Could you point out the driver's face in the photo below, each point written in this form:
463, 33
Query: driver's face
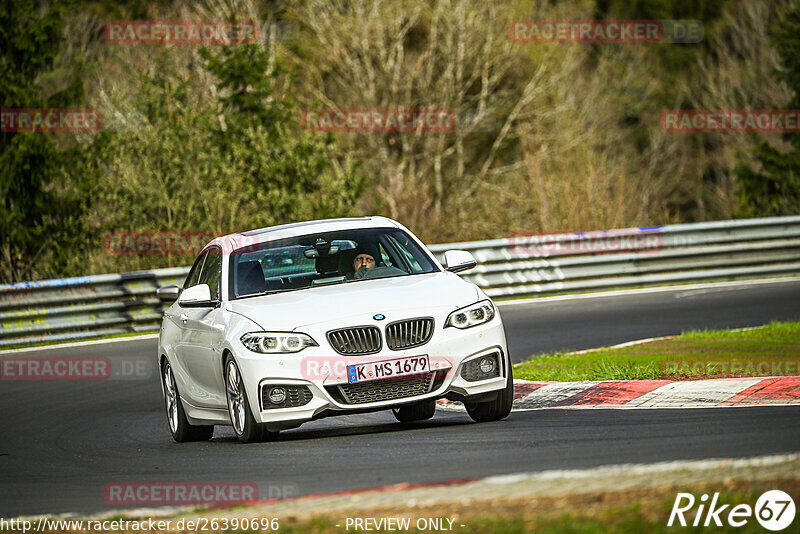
363, 261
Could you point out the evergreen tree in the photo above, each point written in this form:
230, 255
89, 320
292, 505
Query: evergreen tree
774, 189
291, 174
41, 207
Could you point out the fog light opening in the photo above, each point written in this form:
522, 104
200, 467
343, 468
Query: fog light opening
486, 365
277, 395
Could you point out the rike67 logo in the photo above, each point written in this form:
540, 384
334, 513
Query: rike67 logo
774, 510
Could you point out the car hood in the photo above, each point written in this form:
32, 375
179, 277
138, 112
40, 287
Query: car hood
414, 294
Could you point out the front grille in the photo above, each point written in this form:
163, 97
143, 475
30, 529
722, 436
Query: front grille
387, 389
356, 340
471, 371
295, 396
409, 333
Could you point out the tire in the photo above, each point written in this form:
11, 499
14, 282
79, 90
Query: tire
495, 410
242, 420
179, 426
419, 411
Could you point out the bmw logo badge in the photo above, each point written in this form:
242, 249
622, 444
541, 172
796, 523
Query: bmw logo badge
379, 317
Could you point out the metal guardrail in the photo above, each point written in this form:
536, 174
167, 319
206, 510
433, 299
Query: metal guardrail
585, 261
524, 265
83, 307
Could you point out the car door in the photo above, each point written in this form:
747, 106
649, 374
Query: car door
178, 319
204, 328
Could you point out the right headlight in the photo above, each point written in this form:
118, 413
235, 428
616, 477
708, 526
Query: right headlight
277, 342
473, 315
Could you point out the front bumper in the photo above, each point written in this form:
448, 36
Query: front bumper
317, 376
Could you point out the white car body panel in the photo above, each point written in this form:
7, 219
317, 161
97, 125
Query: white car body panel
196, 341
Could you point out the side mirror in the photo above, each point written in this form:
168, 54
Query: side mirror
198, 296
459, 260
168, 293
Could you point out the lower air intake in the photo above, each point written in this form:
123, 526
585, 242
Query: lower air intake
388, 389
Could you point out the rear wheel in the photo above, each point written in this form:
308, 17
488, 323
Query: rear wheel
179, 425
419, 411
242, 420
497, 409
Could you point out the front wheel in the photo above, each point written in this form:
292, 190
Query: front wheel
179, 425
419, 411
242, 420
497, 409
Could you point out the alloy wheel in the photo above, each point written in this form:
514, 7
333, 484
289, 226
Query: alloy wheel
236, 400
171, 398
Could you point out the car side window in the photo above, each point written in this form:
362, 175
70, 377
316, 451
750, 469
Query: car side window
194, 273
212, 272
385, 258
408, 257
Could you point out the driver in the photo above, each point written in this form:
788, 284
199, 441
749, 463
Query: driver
363, 262
364, 259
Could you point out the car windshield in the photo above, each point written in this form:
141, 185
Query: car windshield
326, 258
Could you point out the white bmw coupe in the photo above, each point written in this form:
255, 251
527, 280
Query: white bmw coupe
287, 324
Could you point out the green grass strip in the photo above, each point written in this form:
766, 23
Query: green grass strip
770, 350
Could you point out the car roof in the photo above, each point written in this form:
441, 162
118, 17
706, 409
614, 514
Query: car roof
271, 233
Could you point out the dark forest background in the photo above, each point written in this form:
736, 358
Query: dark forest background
550, 137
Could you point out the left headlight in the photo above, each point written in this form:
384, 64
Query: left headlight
277, 342
478, 313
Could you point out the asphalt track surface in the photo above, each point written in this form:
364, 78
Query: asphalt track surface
63, 441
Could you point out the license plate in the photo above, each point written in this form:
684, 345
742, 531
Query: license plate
387, 369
